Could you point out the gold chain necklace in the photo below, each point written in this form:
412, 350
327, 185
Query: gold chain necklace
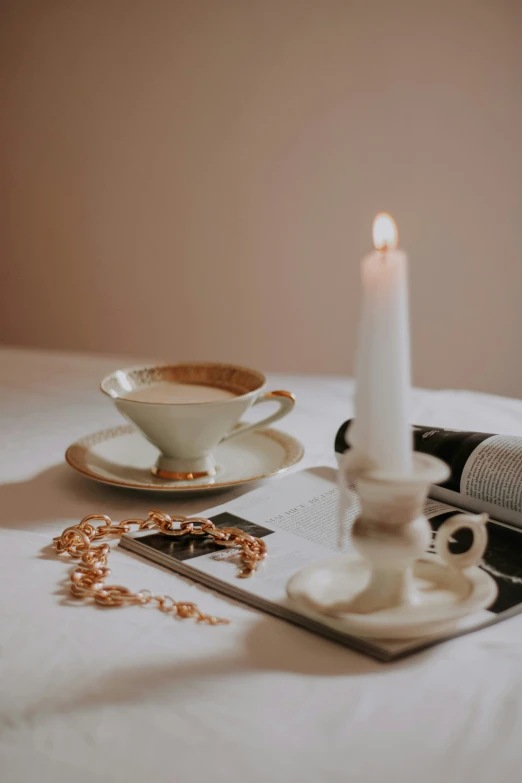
88, 577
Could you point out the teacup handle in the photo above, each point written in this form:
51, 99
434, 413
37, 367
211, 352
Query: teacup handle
286, 402
474, 522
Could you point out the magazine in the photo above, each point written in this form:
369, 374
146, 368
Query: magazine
486, 469
298, 515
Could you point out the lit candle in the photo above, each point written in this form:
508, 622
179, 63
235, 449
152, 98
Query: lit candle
381, 435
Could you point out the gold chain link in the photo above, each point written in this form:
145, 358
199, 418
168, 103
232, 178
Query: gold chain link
88, 577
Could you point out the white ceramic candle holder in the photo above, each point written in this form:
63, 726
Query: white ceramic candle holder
392, 588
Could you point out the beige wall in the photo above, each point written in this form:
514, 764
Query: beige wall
198, 178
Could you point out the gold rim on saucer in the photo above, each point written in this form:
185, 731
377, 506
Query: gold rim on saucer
80, 456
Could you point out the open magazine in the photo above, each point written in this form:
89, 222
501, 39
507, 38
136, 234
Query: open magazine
298, 514
486, 470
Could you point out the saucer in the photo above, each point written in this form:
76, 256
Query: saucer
121, 456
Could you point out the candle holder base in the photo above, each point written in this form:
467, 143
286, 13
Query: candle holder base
392, 588
442, 595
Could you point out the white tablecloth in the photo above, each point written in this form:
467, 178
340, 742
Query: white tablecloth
131, 695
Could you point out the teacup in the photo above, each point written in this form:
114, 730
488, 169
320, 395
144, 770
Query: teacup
186, 410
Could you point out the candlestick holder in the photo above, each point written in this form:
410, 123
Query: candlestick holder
393, 588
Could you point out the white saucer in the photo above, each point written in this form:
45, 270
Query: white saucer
123, 457
445, 596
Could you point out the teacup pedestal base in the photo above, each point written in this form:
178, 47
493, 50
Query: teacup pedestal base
174, 469
391, 589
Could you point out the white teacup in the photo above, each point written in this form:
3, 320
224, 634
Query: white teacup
186, 410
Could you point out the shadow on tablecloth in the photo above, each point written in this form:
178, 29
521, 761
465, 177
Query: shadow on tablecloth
60, 496
270, 645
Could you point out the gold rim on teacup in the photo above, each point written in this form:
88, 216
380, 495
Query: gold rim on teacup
235, 379
187, 432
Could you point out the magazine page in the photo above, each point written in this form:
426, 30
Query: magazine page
486, 469
298, 517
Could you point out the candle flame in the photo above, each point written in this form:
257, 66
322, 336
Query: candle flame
385, 234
